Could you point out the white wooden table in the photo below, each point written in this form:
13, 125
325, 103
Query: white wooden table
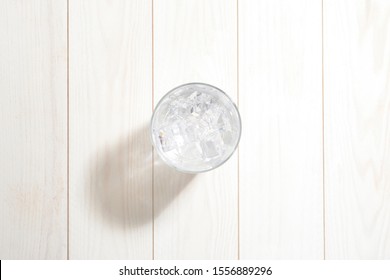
78, 175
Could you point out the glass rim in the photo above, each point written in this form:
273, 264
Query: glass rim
165, 159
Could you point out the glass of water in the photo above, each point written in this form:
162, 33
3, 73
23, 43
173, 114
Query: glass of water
195, 128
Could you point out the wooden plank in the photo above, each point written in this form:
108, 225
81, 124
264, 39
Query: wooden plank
195, 217
110, 109
280, 93
357, 129
33, 116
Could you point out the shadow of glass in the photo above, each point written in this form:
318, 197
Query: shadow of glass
122, 178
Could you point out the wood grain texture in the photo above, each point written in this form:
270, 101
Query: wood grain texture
357, 129
110, 108
33, 129
281, 146
195, 216
269, 201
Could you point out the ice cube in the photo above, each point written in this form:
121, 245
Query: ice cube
209, 150
166, 141
192, 151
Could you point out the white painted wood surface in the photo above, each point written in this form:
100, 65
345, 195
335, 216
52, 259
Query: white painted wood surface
110, 108
33, 130
195, 216
281, 146
278, 59
357, 129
